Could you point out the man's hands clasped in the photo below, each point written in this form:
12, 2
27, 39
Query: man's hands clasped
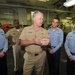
41, 41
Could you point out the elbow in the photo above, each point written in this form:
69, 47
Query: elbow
21, 43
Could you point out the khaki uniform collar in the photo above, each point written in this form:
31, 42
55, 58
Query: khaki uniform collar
32, 27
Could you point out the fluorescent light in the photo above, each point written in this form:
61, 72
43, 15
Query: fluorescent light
68, 17
32, 13
8, 13
43, 0
69, 3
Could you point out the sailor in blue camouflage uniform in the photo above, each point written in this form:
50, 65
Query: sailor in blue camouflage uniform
3, 49
56, 41
70, 50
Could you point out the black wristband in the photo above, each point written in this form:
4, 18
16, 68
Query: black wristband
4, 52
48, 47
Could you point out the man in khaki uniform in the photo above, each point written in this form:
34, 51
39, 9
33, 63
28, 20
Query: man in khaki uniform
13, 35
34, 37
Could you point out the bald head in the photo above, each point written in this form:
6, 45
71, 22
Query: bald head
36, 12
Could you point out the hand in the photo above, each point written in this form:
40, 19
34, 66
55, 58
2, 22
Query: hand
70, 57
37, 41
45, 41
2, 54
51, 52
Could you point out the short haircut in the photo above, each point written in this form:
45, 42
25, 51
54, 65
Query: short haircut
57, 18
36, 12
16, 21
73, 22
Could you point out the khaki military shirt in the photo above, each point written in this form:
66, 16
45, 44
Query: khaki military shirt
13, 35
29, 33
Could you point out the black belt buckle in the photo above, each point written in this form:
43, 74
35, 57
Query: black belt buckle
36, 54
1, 50
72, 53
52, 46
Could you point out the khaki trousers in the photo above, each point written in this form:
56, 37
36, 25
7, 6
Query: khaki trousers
36, 62
18, 57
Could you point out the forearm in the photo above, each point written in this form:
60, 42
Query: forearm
5, 46
57, 47
73, 57
26, 42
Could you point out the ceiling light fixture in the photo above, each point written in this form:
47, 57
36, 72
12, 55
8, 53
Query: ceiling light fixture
69, 3
43, 0
68, 17
8, 13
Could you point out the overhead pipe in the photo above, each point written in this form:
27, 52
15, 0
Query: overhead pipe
32, 7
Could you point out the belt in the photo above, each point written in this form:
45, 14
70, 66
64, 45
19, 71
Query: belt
52, 46
34, 54
1, 50
72, 53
